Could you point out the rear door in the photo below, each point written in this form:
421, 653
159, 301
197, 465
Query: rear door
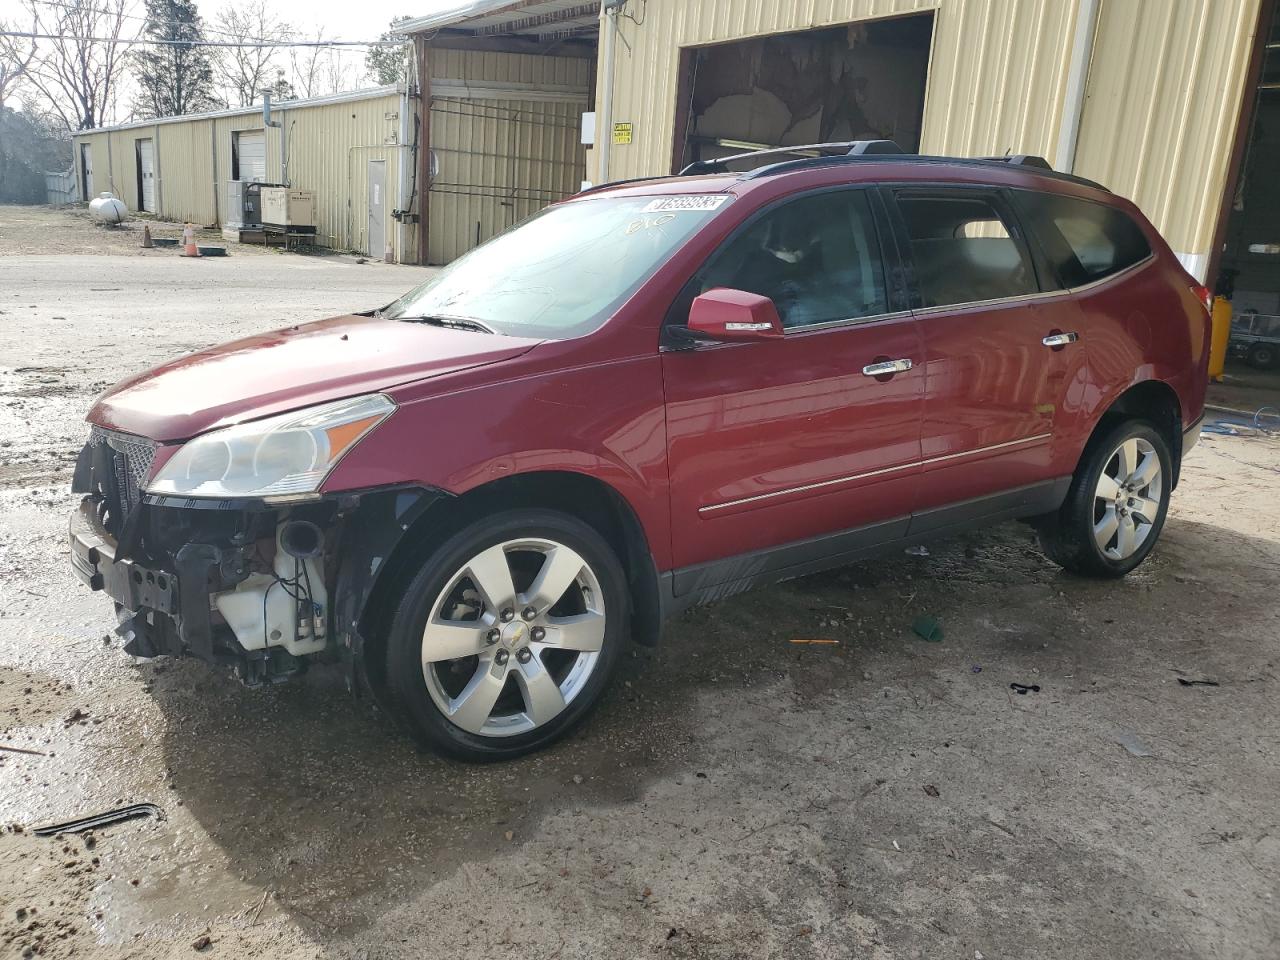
786, 452
1002, 355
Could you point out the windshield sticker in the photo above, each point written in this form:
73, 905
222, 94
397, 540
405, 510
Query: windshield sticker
675, 204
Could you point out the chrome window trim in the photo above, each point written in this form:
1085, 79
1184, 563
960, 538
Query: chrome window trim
846, 322
1132, 268
872, 473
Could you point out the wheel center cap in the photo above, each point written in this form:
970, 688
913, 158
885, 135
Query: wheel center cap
515, 633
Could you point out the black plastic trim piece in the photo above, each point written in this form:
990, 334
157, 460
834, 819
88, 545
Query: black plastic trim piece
719, 579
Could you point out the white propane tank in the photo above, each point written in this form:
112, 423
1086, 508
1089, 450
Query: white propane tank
105, 208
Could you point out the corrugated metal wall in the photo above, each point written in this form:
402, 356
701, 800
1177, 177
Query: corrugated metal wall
1163, 91
500, 160
329, 145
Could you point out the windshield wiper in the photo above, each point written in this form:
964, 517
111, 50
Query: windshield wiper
454, 323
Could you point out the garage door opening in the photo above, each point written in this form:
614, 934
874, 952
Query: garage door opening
1249, 269
860, 81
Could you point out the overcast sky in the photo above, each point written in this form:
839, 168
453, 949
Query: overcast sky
341, 20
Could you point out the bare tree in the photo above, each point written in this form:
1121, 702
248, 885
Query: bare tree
307, 65
77, 73
16, 56
244, 72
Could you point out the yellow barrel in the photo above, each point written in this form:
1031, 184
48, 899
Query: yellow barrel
1221, 334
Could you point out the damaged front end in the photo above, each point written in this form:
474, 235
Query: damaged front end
259, 586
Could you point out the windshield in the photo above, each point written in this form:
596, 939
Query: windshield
560, 273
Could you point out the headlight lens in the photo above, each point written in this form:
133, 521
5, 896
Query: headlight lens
280, 457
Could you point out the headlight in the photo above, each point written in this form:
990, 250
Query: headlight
279, 457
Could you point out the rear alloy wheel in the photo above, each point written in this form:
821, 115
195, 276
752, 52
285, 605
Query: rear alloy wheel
1116, 506
507, 635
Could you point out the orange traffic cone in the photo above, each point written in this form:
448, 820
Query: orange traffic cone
146, 237
189, 242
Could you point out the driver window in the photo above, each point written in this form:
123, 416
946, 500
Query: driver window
816, 258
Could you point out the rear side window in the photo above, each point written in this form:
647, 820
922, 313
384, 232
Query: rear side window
1086, 241
963, 250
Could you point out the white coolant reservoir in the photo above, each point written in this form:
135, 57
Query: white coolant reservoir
290, 609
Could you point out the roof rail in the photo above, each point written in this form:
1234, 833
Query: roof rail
619, 183
1032, 163
849, 148
1023, 160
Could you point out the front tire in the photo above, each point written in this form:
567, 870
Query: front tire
1116, 506
507, 635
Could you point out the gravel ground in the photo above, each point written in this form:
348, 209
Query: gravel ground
735, 796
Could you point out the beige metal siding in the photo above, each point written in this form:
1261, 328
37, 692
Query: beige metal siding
1163, 91
500, 160
328, 145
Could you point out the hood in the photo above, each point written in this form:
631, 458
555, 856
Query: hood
289, 369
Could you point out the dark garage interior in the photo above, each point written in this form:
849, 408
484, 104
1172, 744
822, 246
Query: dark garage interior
862, 81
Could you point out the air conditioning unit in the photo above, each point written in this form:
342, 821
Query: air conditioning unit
284, 208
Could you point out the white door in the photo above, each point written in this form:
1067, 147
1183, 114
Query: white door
86, 171
147, 176
251, 155
377, 208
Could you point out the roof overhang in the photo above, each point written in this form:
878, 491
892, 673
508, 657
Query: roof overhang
540, 20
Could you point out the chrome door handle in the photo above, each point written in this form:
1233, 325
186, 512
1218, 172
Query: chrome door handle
887, 367
1060, 339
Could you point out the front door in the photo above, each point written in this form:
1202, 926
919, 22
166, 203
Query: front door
146, 176
791, 451
992, 383
377, 242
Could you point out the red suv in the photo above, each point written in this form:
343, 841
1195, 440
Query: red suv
655, 394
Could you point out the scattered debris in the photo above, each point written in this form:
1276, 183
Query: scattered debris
1023, 689
509, 835
976, 668
931, 790
917, 551
8, 749
577, 778
1197, 683
896, 847
76, 716
119, 815
1130, 742
928, 628
821, 640
201, 942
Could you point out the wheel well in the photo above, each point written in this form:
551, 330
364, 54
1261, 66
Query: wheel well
1155, 402
590, 500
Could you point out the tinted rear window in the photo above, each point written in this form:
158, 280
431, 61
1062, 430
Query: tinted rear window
963, 250
1086, 241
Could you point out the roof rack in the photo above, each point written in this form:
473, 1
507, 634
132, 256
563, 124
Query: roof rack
1034, 163
850, 148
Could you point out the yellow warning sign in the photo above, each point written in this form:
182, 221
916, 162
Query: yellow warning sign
622, 133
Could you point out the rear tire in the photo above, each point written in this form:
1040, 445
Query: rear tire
507, 635
1263, 356
1116, 506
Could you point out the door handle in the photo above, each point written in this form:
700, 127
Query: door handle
1060, 339
886, 368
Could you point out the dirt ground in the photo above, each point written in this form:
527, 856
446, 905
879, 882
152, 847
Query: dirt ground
736, 796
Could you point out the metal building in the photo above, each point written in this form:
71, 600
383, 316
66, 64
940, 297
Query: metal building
498, 139
1145, 96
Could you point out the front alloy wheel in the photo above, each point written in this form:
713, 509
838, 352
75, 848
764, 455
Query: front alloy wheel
513, 637
507, 635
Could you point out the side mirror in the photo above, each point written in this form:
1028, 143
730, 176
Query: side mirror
725, 314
